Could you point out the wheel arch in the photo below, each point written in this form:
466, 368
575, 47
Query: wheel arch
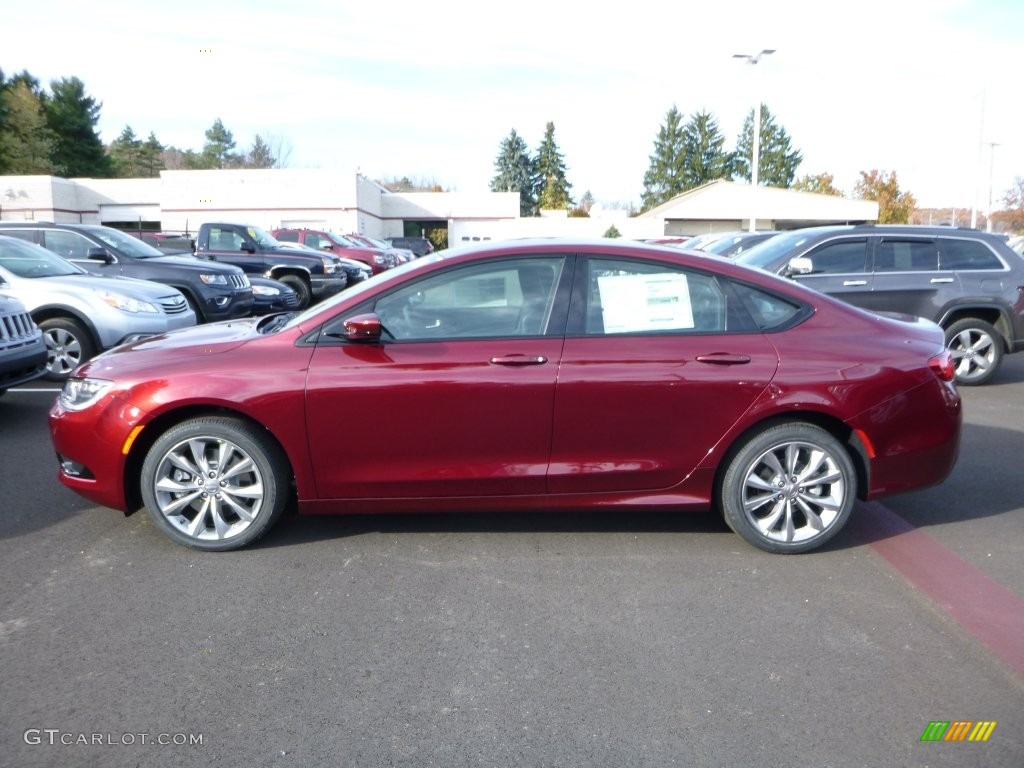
994, 316
848, 437
53, 312
165, 421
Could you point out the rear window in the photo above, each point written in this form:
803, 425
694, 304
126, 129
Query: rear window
967, 254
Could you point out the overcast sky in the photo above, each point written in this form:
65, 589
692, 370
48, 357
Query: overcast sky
428, 90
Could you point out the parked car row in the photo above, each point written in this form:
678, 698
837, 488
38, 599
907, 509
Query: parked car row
88, 288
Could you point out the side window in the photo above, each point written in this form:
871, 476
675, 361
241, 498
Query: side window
906, 256
70, 245
631, 297
287, 237
839, 258
502, 298
316, 241
967, 254
224, 240
21, 234
770, 312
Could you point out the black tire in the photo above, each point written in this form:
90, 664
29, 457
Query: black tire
68, 345
789, 488
238, 486
977, 350
300, 286
194, 306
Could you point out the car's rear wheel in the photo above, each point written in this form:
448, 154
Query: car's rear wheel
68, 344
977, 350
789, 488
300, 286
215, 483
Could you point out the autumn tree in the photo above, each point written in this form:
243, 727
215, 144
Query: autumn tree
1011, 218
26, 141
777, 160
894, 206
515, 172
819, 184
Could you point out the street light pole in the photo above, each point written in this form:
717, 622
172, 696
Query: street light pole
755, 153
991, 164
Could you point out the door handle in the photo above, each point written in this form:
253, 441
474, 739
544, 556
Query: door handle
517, 360
855, 282
942, 280
723, 358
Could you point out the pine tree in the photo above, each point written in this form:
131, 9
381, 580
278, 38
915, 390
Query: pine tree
125, 154
515, 172
704, 158
72, 116
550, 184
665, 176
217, 151
778, 160
151, 157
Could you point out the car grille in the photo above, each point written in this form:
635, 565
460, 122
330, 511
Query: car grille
239, 281
173, 305
17, 330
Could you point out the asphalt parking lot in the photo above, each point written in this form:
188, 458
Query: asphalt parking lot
615, 639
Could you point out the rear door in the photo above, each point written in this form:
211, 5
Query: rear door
909, 278
659, 362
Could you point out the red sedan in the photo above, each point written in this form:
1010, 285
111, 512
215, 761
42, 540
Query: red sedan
522, 375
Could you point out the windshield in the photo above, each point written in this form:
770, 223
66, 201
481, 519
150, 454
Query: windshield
344, 242
30, 260
126, 244
765, 255
262, 237
396, 273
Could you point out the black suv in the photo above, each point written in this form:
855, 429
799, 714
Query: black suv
214, 291
969, 282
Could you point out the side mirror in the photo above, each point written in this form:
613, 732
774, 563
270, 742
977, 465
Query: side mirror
364, 328
100, 254
800, 265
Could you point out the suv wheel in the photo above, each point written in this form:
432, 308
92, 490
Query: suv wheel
977, 350
300, 286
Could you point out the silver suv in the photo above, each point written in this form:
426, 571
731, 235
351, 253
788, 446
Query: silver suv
81, 314
969, 282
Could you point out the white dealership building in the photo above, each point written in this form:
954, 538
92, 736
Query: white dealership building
346, 201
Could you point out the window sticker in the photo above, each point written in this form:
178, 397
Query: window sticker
633, 303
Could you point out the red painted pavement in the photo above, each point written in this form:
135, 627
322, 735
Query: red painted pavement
984, 607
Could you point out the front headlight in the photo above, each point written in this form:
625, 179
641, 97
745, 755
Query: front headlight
126, 303
266, 290
214, 279
79, 394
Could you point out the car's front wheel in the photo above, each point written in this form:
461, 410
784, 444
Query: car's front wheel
68, 344
300, 286
789, 488
977, 350
215, 483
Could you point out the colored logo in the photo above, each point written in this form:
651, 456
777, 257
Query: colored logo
958, 730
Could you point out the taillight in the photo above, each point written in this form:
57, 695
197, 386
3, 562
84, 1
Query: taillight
942, 366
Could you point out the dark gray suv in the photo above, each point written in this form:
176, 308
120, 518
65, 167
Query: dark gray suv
969, 282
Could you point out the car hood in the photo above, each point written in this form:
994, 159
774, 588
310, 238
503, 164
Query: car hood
146, 290
189, 343
192, 262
